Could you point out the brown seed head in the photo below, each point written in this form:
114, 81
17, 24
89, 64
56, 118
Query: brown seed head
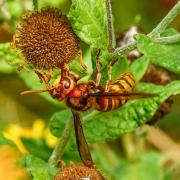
46, 39
78, 172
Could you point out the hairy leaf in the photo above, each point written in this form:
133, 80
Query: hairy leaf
167, 56
39, 169
88, 18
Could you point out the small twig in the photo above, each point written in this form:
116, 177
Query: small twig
60, 146
123, 49
110, 26
166, 21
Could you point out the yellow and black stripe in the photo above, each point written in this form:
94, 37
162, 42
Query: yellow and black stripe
124, 84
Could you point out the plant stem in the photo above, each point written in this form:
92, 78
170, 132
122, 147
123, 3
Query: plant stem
110, 26
155, 32
123, 49
59, 148
166, 21
168, 39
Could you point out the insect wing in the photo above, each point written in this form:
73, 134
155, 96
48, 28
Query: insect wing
123, 95
81, 141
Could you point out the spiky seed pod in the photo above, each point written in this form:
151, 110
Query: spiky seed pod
46, 39
77, 172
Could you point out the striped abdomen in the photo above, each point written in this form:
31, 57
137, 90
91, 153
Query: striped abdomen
124, 84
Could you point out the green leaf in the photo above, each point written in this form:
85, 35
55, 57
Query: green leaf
139, 67
110, 125
37, 147
167, 56
169, 32
39, 169
58, 121
89, 21
119, 67
5, 141
76, 67
9, 58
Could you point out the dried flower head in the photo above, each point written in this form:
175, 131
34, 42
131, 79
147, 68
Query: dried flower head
46, 39
78, 172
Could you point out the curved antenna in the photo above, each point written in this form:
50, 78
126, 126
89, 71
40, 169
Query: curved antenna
35, 91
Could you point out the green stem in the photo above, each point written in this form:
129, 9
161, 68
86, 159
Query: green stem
61, 144
166, 21
110, 26
123, 49
155, 32
168, 39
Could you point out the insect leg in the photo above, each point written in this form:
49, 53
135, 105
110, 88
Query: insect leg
81, 61
108, 82
76, 76
43, 78
98, 67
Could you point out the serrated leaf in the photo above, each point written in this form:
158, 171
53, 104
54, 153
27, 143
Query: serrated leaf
110, 125
164, 55
139, 67
88, 18
39, 169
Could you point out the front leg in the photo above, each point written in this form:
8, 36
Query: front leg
98, 67
108, 82
44, 78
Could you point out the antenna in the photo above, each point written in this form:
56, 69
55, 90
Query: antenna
35, 91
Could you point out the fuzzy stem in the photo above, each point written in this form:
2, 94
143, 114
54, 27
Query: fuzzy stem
168, 39
110, 26
154, 34
63, 140
166, 20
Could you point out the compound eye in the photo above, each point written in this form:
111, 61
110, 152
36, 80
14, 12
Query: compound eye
67, 84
